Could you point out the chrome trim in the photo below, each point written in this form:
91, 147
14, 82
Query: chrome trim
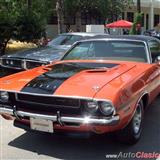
61, 96
111, 39
30, 60
24, 61
5, 66
64, 119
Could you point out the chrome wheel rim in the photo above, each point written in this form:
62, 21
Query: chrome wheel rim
137, 119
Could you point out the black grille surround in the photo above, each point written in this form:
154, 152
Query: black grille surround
48, 100
33, 64
21, 63
15, 63
48, 104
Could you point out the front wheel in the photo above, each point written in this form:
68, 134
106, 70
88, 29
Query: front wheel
132, 132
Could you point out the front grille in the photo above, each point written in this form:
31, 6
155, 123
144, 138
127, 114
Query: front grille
49, 100
12, 63
45, 104
32, 64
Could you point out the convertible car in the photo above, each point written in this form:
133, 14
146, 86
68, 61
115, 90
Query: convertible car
101, 85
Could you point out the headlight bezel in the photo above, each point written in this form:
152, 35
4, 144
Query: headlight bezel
92, 109
110, 104
98, 109
4, 96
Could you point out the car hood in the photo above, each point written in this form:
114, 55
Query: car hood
72, 81
46, 54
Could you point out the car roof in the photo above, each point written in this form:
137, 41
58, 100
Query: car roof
124, 37
90, 34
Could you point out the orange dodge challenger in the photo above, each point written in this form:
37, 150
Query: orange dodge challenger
101, 85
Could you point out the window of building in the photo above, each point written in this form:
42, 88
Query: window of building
130, 16
142, 20
86, 18
69, 20
90, 18
156, 19
52, 19
122, 15
147, 21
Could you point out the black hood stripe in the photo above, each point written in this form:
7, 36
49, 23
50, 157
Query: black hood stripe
48, 82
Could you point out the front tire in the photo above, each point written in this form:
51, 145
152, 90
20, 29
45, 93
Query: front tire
132, 132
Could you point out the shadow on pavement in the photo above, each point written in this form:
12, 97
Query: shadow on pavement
94, 147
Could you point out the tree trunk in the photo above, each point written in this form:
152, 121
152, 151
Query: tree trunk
60, 15
139, 6
29, 4
3, 47
78, 21
139, 11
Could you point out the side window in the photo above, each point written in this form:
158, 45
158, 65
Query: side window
79, 51
155, 49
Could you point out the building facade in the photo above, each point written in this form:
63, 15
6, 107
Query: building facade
151, 17
151, 11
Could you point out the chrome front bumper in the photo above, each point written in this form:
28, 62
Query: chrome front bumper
61, 119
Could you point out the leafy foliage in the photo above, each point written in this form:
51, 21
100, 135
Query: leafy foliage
29, 26
109, 9
7, 24
22, 22
137, 21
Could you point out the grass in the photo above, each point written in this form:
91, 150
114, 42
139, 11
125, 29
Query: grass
14, 46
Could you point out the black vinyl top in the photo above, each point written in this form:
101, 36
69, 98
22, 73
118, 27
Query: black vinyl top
125, 37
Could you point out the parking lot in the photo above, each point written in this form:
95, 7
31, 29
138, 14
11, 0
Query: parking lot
18, 144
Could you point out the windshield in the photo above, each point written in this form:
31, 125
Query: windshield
109, 50
64, 40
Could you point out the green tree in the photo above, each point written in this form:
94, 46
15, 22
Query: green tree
109, 10
136, 24
7, 24
60, 15
29, 26
74, 8
22, 20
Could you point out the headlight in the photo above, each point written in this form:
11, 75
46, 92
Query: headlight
4, 96
91, 106
107, 108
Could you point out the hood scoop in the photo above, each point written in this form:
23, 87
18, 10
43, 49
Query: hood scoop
56, 75
97, 70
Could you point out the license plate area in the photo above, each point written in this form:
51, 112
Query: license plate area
41, 125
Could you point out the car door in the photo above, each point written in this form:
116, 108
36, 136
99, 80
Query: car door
154, 47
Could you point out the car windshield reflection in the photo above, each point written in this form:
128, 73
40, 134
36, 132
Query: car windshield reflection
109, 50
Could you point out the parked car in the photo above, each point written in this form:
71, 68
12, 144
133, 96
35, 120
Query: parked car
152, 32
101, 85
35, 57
